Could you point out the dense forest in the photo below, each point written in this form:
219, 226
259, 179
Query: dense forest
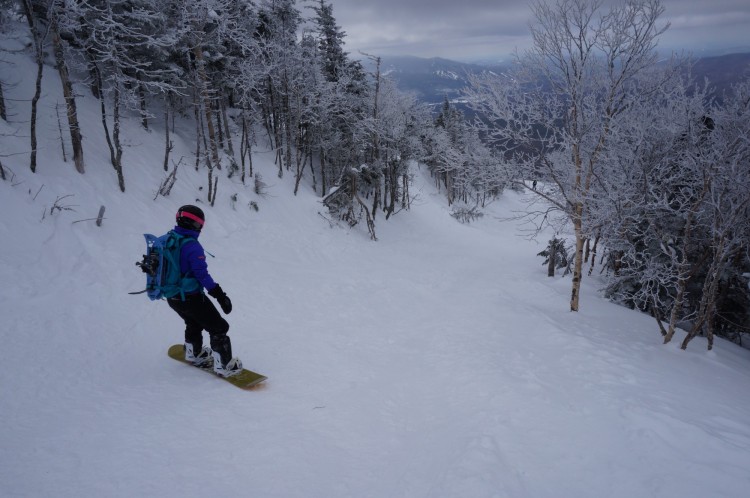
238, 69
647, 169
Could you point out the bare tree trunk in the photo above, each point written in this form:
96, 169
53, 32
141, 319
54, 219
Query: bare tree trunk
76, 140
287, 113
203, 98
143, 107
593, 255
312, 167
243, 148
289, 140
203, 81
94, 82
657, 316
405, 200
376, 198
683, 269
376, 137
103, 110
113, 141
200, 136
376, 134
552, 257
301, 161
167, 143
578, 259
587, 250
708, 299
246, 146
392, 191
34, 103
449, 188
323, 176
219, 126
267, 111
225, 118
363, 206
299, 173
116, 138
38, 39
60, 131
3, 112
676, 308
213, 185
274, 126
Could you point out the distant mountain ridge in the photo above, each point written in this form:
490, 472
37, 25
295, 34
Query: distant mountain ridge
722, 71
433, 80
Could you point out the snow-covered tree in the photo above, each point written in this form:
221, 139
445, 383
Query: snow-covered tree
672, 210
725, 149
212, 36
650, 211
44, 21
555, 116
330, 39
460, 162
119, 38
242, 66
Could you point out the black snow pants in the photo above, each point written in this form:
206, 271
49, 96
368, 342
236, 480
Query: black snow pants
200, 314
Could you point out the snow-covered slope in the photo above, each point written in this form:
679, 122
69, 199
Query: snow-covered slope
439, 361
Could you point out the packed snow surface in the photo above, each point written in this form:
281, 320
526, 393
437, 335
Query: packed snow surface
439, 361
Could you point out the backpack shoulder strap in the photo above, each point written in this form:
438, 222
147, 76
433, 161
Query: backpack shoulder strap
177, 241
173, 246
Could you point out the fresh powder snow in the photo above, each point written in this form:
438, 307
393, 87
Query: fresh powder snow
439, 361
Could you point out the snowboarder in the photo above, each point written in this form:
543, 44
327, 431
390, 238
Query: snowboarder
196, 309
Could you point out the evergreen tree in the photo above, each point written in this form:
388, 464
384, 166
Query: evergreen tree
330, 42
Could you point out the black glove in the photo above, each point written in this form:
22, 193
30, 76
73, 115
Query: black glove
223, 300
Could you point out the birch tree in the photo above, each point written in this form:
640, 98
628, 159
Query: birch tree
557, 112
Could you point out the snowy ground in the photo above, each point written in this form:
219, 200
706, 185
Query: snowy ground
439, 361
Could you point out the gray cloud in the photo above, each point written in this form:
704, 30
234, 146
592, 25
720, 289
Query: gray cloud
472, 29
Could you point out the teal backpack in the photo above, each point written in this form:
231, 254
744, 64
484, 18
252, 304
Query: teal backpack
161, 264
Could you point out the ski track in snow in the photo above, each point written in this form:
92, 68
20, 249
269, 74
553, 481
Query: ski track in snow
439, 361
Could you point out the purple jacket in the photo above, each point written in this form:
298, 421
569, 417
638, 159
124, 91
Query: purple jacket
193, 259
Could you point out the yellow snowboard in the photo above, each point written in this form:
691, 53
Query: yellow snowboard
244, 380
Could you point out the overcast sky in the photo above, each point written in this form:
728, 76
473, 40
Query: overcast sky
482, 29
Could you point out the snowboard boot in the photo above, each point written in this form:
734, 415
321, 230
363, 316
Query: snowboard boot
224, 364
202, 359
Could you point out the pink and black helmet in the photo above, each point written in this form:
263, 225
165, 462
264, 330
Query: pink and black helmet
190, 217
